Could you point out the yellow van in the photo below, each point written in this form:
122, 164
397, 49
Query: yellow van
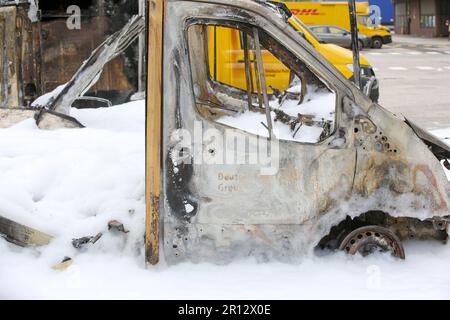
227, 61
337, 13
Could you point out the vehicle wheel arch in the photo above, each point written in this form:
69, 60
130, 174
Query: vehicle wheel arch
404, 227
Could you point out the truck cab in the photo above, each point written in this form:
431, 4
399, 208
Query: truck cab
379, 34
234, 170
336, 13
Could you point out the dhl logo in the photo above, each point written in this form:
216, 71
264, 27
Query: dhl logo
306, 12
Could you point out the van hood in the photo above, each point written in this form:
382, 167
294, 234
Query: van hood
380, 27
439, 148
332, 51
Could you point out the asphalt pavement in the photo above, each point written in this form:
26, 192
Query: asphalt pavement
414, 76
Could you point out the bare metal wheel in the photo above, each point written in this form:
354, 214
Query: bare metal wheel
368, 239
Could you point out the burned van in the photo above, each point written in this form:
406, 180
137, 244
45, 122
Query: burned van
251, 171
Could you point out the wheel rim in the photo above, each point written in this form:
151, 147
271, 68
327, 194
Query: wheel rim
369, 239
376, 43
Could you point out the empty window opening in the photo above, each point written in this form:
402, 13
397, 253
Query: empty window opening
248, 81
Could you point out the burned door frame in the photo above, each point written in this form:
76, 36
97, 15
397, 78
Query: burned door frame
196, 234
21, 80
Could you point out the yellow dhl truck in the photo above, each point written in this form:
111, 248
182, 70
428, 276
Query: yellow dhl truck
337, 13
226, 54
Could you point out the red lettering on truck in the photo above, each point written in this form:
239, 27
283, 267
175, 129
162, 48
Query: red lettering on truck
306, 12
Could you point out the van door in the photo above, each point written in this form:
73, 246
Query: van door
228, 189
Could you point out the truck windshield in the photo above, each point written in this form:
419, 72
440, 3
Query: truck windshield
363, 19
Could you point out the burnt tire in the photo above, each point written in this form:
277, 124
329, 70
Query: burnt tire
377, 42
368, 239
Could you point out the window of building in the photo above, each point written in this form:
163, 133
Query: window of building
428, 21
427, 14
400, 15
445, 8
231, 64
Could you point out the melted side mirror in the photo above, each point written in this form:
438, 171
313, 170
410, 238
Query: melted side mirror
370, 88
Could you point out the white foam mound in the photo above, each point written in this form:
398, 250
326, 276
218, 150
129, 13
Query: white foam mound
71, 182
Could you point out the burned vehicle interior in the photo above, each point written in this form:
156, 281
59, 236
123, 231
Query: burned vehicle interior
303, 110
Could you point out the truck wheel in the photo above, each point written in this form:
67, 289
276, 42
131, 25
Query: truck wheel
369, 239
377, 42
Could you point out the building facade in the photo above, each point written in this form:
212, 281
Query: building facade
424, 18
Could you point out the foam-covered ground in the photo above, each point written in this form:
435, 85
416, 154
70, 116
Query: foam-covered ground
71, 182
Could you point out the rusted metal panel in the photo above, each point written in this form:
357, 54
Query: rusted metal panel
20, 81
41, 55
30, 66
91, 69
64, 50
392, 157
9, 85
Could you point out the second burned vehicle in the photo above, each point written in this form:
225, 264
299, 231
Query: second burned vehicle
338, 170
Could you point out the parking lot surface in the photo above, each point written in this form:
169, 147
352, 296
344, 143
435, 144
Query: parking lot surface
414, 77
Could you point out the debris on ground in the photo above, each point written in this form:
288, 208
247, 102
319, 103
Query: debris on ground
117, 225
64, 264
81, 242
22, 235
50, 120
